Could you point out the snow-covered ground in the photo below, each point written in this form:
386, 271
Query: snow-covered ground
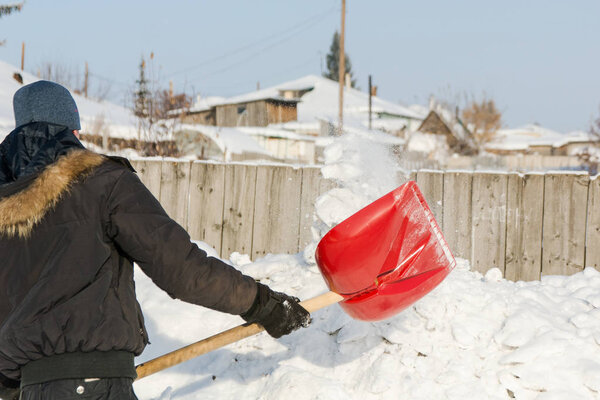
473, 337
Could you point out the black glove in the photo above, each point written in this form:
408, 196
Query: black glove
9, 389
277, 312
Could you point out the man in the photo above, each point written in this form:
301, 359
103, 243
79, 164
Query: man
72, 222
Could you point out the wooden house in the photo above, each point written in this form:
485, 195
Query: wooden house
259, 112
442, 122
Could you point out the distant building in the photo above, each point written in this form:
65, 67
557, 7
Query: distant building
440, 121
534, 139
285, 119
305, 101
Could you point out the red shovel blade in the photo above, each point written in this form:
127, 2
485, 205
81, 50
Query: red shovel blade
386, 256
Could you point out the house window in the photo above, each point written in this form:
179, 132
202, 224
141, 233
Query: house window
241, 109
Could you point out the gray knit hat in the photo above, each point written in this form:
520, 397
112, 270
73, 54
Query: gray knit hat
45, 101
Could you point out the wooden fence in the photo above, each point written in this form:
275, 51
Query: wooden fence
521, 162
251, 209
527, 225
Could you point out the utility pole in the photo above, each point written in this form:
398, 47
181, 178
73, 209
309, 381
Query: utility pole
23, 57
86, 78
370, 101
342, 69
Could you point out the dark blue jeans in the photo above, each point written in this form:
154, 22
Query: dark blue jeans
88, 389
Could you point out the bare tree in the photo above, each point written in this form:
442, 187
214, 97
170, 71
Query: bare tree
158, 111
483, 120
60, 73
73, 78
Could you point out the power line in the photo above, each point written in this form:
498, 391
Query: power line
262, 50
272, 76
309, 21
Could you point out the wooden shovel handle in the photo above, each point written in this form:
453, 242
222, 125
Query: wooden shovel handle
223, 339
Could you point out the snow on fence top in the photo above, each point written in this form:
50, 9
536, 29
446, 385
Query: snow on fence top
526, 225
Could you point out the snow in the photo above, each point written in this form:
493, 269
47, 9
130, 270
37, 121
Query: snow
205, 103
474, 337
232, 140
274, 133
523, 137
425, 143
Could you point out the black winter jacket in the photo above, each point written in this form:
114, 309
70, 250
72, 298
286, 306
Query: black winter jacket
72, 222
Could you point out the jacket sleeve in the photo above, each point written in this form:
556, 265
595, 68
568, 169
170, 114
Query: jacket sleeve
6, 383
162, 248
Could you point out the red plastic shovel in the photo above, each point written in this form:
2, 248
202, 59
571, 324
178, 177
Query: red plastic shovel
376, 263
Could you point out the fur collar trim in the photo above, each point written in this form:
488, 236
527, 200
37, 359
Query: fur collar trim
21, 211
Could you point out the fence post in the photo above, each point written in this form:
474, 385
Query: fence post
565, 211
276, 210
174, 190
238, 209
207, 192
457, 223
489, 221
431, 184
592, 252
525, 206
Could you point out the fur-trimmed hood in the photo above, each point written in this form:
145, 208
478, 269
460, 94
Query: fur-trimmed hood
20, 211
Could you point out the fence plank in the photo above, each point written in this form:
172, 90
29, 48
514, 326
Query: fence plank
525, 205
238, 209
456, 212
174, 190
565, 209
592, 252
276, 210
412, 176
431, 184
149, 172
489, 221
312, 182
205, 220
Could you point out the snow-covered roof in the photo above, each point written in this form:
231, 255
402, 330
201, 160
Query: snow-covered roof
354, 125
321, 99
576, 137
299, 127
94, 115
206, 103
274, 133
233, 140
523, 137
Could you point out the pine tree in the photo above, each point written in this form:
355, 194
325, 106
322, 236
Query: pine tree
142, 94
333, 61
7, 9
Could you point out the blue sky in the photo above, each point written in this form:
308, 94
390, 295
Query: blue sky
538, 59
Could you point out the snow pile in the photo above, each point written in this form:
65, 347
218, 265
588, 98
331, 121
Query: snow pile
474, 337
228, 140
